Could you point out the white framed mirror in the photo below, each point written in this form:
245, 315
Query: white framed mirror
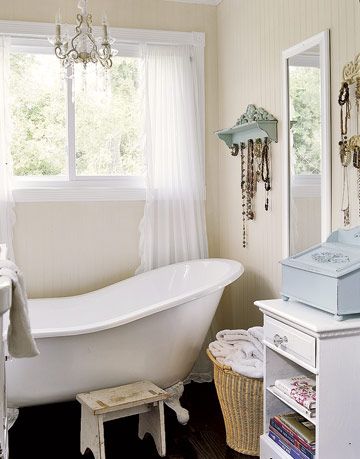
307, 144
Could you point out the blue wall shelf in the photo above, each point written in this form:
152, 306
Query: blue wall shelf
255, 123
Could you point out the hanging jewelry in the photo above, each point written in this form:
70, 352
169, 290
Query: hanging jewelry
356, 164
344, 100
265, 171
357, 94
355, 139
345, 151
345, 158
234, 149
258, 154
243, 192
250, 181
345, 204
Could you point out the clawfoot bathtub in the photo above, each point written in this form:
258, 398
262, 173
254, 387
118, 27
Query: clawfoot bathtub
148, 327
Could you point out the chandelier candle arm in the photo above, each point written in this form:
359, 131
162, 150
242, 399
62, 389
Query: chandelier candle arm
82, 5
105, 27
58, 26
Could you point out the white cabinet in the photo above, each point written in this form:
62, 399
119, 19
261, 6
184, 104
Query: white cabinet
302, 340
5, 303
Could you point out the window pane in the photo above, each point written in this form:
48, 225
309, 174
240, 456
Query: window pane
37, 101
108, 122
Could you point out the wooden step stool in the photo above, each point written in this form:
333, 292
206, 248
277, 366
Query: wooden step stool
143, 398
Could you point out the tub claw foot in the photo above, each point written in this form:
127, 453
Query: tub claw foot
173, 402
12, 415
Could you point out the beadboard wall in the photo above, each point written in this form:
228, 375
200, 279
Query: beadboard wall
66, 248
251, 37
69, 248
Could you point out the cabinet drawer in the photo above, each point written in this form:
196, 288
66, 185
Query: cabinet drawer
290, 340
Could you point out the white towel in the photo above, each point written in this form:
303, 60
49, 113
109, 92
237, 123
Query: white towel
232, 336
19, 338
221, 349
256, 335
242, 350
252, 367
246, 350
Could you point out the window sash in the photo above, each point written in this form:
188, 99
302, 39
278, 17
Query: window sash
42, 46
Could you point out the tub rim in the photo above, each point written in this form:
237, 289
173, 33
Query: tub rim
236, 271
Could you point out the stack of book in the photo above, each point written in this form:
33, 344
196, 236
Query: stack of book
300, 390
294, 434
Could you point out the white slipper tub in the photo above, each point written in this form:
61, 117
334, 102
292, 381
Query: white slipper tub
150, 326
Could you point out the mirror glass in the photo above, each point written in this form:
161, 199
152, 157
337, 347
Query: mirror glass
305, 149
307, 133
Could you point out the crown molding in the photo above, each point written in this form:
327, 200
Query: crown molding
203, 2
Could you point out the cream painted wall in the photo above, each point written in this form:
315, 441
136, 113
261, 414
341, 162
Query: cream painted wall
251, 37
69, 248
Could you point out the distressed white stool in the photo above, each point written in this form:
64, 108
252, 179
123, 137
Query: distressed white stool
143, 398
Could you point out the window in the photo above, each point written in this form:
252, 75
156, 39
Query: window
74, 145
75, 131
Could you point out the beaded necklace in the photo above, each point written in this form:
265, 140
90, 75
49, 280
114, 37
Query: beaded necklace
258, 160
265, 171
255, 167
356, 149
250, 181
243, 193
344, 100
345, 151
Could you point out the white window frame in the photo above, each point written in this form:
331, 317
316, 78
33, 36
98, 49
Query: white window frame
33, 37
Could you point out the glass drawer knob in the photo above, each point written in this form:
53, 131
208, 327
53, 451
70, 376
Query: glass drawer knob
279, 341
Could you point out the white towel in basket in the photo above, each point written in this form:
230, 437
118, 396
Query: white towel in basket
250, 367
242, 350
232, 336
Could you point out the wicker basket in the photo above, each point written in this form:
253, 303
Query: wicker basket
241, 401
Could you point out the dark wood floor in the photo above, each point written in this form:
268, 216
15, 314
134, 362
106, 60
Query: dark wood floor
53, 432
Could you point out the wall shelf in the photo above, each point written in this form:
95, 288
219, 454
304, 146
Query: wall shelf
255, 123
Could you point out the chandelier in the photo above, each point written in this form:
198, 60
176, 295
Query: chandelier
84, 48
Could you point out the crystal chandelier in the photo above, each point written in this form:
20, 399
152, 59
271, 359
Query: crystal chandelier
83, 48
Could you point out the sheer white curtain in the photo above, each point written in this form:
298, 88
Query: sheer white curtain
173, 228
7, 215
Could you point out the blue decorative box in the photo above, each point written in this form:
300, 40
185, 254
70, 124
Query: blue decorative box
326, 276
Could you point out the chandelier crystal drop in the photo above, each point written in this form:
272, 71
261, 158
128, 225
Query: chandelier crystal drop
83, 48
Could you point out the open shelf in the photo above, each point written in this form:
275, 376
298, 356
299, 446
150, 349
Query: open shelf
244, 132
276, 451
279, 366
255, 123
280, 453
293, 405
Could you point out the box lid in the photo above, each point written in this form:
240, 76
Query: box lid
339, 255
